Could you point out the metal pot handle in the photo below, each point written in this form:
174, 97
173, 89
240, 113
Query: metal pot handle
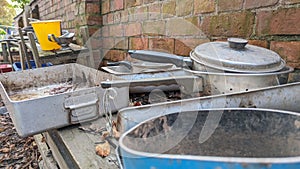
52, 38
237, 43
161, 57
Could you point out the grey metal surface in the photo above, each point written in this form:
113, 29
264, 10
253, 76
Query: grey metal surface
251, 59
214, 82
245, 138
84, 102
166, 80
220, 82
137, 68
161, 57
283, 97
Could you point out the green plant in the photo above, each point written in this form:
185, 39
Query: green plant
21, 3
2, 32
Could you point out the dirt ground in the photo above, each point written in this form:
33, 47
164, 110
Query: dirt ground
16, 152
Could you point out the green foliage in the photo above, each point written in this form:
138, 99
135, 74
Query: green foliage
20, 3
2, 32
7, 13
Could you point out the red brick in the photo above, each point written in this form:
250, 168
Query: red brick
287, 2
92, 8
117, 17
108, 43
124, 16
154, 27
121, 43
290, 51
183, 47
95, 43
162, 44
110, 18
131, 3
141, 14
118, 4
294, 65
116, 30
169, 9
138, 43
105, 31
104, 20
204, 6
94, 20
180, 27
105, 6
239, 24
94, 30
260, 43
184, 7
232, 5
280, 22
115, 55
155, 11
249, 4
194, 20
133, 29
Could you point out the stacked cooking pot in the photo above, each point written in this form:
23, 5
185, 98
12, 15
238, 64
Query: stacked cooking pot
227, 67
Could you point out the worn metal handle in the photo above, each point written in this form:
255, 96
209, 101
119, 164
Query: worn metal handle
52, 38
161, 57
237, 43
82, 108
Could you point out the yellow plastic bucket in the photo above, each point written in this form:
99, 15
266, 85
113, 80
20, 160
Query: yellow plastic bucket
43, 28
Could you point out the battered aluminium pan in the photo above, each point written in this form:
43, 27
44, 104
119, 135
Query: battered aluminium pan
244, 138
242, 76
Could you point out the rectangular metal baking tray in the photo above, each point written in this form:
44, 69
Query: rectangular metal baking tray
34, 110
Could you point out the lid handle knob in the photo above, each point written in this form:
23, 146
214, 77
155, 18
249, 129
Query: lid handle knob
237, 43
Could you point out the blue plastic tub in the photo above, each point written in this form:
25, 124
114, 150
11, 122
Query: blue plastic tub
17, 65
242, 139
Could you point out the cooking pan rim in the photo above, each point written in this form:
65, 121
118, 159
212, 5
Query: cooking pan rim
260, 160
229, 69
289, 69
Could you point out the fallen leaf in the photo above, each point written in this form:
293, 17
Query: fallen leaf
103, 149
116, 133
2, 129
4, 150
105, 134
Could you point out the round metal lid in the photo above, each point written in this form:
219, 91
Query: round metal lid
236, 56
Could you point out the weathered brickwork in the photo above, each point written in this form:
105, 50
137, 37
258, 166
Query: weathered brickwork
177, 26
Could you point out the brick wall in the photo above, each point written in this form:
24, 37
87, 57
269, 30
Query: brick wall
73, 13
177, 26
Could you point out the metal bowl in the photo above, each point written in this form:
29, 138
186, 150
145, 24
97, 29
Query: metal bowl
241, 138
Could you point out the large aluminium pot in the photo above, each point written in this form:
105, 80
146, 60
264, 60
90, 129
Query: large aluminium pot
244, 138
226, 69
